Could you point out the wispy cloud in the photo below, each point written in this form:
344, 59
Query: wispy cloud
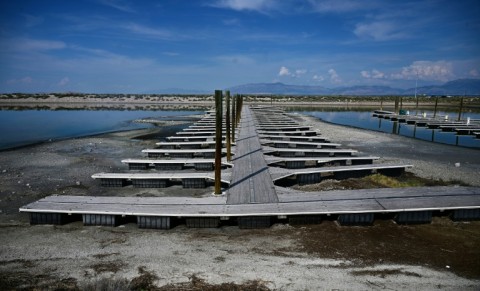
148, 31
28, 44
64, 81
32, 21
380, 31
340, 6
119, 5
25, 80
262, 6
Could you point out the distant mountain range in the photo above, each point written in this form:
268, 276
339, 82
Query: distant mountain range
456, 87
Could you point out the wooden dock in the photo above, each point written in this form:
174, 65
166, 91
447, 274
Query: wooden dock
459, 127
251, 197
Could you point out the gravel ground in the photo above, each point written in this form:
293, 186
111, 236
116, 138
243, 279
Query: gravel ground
325, 256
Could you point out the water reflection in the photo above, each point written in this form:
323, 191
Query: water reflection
25, 127
363, 118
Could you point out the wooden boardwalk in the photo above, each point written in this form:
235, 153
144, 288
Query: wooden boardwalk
251, 181
251, 197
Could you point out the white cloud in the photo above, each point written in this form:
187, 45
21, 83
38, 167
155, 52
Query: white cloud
338, 6
253, 5
474, 73
334, 77
64, 81
300, 72
426, 70
28, 44
148, 31
284, 71
365, 74
318, 78
380, 31
119, 5
374, 74
25, 80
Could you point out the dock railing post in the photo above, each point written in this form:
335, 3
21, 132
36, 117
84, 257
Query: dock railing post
227, 117
218, 142
381, 103
396, 104
435, 109
234, 99
460, 110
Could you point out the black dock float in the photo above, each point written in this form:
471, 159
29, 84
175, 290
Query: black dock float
204, 166
413, 217
253, 222
150, 183
295, 164
49, 218
100, 220
194, 183
465, 214
134, 166
312, 178
304, 219
202, 222
113, 182
356, 219
169, 167
154, 222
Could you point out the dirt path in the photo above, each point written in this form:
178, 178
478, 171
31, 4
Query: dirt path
443, 255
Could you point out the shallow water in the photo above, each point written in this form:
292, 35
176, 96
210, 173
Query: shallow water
20, 128
362, 118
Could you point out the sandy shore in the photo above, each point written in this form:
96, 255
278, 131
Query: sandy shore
444, 255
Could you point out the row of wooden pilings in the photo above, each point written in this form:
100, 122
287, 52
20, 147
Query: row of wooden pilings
232, 119
399, 106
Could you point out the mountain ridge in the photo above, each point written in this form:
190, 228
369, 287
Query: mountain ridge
455, 87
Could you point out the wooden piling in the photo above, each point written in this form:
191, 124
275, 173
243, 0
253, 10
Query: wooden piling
233, 118
460, 111
396, 104
435, 109
381, 103
218, 141
227, 117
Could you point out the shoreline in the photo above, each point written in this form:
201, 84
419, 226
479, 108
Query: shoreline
302, 257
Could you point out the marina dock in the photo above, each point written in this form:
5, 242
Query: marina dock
270, 147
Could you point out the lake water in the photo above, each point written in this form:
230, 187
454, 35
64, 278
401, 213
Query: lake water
364, 119
24, 127
19, 128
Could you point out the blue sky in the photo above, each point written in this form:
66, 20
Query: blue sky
122, 46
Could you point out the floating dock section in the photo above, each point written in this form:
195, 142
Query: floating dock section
271, 150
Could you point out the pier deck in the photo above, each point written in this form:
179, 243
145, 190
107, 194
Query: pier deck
250, 194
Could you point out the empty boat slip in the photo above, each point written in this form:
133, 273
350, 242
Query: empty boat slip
193, 138
187, 144
310, 176
298, 144
286, 152
302, 162
172, 164
181, 153
294, 138
158, 180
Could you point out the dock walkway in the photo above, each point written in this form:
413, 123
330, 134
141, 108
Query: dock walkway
252, 197
251, 181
